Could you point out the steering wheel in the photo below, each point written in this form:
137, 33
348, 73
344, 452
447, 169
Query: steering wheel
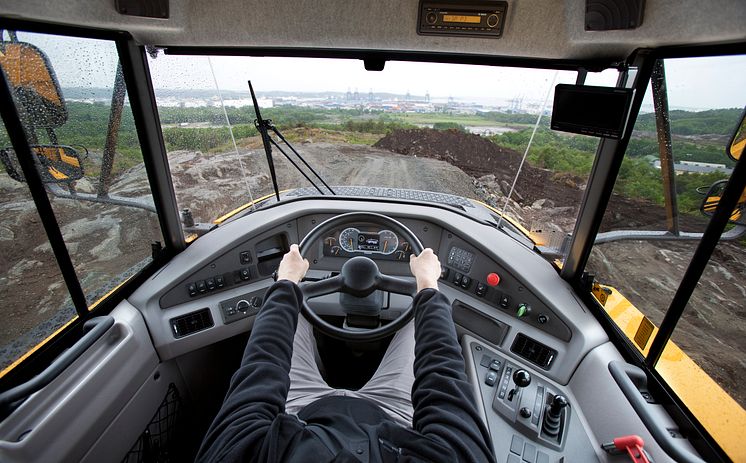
358, 277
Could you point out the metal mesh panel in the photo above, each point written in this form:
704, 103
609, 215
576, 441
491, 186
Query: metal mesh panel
394, 193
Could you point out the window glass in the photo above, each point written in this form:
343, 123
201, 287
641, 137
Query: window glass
711, 336
81, 129
34, 301
446, 128
703, 363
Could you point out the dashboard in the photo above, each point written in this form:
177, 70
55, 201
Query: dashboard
511, 310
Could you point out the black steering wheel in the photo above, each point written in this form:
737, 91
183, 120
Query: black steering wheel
358, 277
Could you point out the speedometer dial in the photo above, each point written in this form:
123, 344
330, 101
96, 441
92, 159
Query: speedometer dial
388, 242
348, 239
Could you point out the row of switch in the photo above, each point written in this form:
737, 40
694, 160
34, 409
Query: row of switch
525, 452
480, 289
203, 286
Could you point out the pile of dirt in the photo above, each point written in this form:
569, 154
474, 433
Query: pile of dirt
480, 157
541, 196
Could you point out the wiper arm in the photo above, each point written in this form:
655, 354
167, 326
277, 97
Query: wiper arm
261, 125
264, 126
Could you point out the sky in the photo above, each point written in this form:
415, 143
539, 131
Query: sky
695, 83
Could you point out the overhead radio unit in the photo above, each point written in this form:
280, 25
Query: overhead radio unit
464, 19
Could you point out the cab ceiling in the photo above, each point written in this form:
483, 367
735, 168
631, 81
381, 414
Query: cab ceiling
550, 29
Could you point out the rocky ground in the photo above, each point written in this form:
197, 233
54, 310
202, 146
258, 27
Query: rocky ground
105, 240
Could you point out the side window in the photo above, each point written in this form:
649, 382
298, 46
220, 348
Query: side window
72, 103
26, 320
654, 224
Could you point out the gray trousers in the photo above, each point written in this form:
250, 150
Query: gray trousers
390, 387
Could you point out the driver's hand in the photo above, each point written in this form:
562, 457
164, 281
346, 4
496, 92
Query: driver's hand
293, 267
426, 269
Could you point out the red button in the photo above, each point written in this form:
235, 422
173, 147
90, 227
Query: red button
493, 279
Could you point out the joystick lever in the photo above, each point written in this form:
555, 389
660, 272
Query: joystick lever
553, 417
521, 378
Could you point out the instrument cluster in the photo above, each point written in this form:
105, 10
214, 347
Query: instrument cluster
356, 241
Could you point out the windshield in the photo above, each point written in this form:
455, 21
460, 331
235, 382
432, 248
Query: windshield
461, 130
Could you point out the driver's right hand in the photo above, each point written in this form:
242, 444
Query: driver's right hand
426, 269
293, 266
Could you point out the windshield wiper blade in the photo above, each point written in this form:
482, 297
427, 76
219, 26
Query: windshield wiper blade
264, 126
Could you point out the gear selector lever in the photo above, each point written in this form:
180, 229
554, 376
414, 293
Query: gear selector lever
521, 378
553, 417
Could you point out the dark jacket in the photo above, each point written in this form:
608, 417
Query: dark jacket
252, 424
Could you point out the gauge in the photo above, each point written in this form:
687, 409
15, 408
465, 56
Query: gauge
401, 255
406, 247
330, 241
335, 250
388, 242
348, 239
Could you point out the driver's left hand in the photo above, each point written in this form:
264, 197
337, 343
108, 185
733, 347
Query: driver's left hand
293, 267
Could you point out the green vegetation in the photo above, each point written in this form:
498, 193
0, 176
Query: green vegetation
449, 126
204, 129
714, 121
637, 177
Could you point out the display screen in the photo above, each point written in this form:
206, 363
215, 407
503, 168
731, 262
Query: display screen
461, 18
596, 111
368, 242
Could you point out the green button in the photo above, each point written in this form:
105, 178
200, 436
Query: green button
522, 310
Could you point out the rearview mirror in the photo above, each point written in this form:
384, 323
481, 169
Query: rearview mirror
712, 199
56, 163
738, 140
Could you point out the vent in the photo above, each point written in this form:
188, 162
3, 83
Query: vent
191, 323
533, 351
609, 15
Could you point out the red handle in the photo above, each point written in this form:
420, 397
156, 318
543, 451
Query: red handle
633, 445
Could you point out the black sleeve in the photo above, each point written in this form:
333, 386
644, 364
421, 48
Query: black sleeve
443, 399
259, 388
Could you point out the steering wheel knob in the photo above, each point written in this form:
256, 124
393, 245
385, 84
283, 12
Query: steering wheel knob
360, 275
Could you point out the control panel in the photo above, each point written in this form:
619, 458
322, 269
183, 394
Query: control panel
248, 261
530, 418
469, 269
243, 306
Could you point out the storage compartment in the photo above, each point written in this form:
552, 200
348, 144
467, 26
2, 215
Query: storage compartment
269, 253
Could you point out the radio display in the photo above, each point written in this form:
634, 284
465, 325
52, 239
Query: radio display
460, 18
369, 242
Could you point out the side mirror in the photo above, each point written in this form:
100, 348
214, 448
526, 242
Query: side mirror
712, 199
34, 83
738, 140
56, 163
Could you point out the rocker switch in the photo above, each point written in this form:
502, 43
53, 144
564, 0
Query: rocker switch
491, 378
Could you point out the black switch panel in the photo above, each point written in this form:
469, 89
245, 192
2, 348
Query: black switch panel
243, 306
461, 259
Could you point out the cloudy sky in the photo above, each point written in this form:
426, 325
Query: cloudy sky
699, 83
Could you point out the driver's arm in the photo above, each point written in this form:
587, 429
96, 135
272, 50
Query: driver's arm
259, 388
443, 400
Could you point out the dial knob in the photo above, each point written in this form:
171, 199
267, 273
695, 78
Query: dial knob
243, 305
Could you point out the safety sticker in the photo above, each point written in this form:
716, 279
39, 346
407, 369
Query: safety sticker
643, 333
